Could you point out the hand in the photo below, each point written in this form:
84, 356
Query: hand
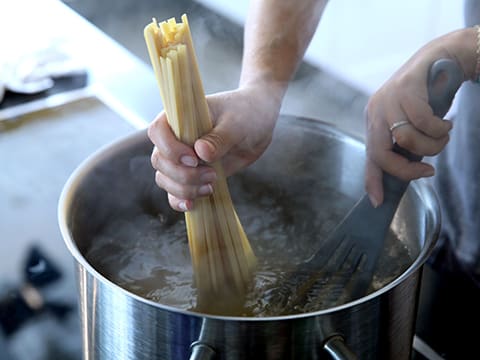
243, 121
403, 100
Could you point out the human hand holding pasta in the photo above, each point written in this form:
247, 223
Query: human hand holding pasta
243, 120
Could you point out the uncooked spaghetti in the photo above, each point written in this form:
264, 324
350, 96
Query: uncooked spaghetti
222, 258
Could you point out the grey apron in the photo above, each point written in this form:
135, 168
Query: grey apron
457, 179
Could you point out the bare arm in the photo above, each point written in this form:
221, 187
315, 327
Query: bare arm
277, 33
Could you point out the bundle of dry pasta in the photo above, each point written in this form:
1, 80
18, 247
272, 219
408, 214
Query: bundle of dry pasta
222, 258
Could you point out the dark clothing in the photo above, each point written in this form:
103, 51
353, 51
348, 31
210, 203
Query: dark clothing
449, 315
449, 308
457, 184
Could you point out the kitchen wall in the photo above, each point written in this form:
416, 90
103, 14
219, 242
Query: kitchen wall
313, 93
363, 42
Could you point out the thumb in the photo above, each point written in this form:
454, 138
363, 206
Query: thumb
212, 146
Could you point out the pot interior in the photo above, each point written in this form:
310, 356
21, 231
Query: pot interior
287, 201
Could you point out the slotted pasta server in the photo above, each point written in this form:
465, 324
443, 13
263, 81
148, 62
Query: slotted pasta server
342, 269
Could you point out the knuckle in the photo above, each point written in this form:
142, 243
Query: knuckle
153, 128
155, 159
174, 188
160, 153
185, 192
160, 180
431, 126
183, 177
404, 140
150, 131
169, 153
423, 124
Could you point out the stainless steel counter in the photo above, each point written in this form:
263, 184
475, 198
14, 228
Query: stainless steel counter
43, 141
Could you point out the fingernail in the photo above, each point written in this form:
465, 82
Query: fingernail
429, 172
208, 177
373, 200
205, 190
188, 161
183, 205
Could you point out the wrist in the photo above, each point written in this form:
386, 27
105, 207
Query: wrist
466, 51
266, 84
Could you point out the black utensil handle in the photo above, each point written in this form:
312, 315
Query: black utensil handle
444, 79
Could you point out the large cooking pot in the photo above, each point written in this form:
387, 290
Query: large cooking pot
312, 174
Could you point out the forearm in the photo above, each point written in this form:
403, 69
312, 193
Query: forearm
277, 33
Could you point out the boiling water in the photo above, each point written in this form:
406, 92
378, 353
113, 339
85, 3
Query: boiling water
151, 258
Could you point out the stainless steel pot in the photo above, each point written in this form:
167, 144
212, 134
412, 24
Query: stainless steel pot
305, 158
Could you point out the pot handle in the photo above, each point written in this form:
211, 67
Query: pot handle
337, 349
201, 351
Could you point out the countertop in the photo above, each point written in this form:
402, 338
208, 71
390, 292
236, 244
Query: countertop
38, 153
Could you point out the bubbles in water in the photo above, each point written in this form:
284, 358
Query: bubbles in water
149, 256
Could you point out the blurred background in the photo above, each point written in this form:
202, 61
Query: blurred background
355, 49
217, 28
58, 58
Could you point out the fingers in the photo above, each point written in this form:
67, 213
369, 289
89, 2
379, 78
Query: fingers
179, 204
380, 144
380, 156
420, 114
425, 134
217, 145
379, 161
182, 181
243, 127
403, 99
167, 144
373, 182
178, 170
417, 142
420, 132
399, 167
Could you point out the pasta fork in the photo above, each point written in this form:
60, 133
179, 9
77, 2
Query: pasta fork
341, 270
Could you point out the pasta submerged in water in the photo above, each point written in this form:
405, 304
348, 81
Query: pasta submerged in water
222, 258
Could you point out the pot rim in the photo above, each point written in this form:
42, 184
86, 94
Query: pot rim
420, 187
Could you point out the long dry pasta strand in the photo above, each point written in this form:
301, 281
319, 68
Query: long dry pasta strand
222, 258
209, 249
